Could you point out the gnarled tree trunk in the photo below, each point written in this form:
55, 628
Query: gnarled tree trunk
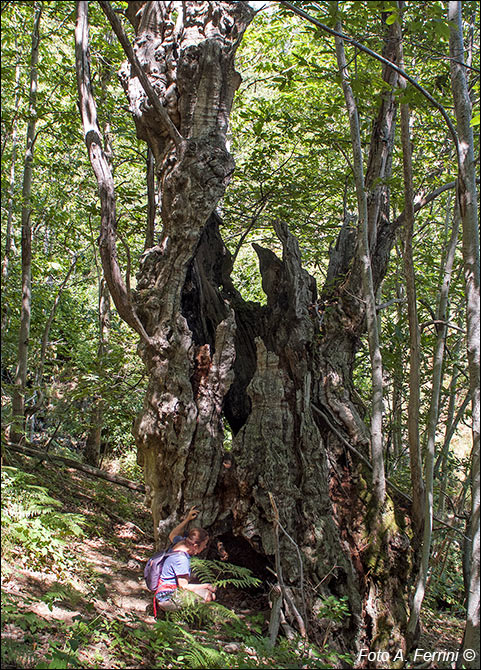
280, 375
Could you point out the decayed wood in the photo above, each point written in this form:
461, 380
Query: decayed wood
69, 462
144, 80
275, 598
188, 61
211, 356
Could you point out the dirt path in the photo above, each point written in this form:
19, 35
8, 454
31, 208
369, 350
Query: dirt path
117, 590
107, 587
105, 584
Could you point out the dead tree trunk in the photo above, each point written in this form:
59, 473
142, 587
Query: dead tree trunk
280, 375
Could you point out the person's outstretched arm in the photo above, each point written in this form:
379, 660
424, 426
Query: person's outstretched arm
205, 591
178, 530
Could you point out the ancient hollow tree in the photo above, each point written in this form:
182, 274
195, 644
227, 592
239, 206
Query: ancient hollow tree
299, 484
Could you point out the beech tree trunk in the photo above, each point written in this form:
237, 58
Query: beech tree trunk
280, 375
18, 398
367, 230
414, 398
94, 436
468, 206
10, 248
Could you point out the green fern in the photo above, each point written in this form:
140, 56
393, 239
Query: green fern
204, 657
197, 655
31, 520
195, 612
224, 574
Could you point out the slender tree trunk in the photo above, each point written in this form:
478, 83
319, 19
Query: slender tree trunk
94, 436
379, 482
39, 385
99, 159
438, 359
441, 468
18, 399
397, 383
414, 351
93, 445
468, 205
414, 335
9, 232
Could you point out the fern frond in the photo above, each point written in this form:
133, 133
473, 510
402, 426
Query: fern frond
199, 656
203, 569
199, 613
224, 574
218, 613
204, 657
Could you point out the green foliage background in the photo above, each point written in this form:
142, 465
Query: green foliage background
290, 140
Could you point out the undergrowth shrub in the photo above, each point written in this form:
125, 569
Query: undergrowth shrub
33, 523
200, 614
200, 635
128, 467
445, 588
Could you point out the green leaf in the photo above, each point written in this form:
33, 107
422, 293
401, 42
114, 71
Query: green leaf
442, 28
392, 18
475, 120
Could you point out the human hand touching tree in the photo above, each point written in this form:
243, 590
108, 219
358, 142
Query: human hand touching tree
192, 514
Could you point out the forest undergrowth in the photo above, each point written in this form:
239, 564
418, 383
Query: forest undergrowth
73, 595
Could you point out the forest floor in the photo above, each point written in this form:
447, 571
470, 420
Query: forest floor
92, 612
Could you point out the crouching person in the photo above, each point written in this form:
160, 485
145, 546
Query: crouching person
174, 588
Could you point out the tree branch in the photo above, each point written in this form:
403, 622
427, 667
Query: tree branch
103, 174
423, 200
289, 599
69, 462
373, 54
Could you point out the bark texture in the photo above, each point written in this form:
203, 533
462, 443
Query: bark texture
187, 53
280, 375
93, 445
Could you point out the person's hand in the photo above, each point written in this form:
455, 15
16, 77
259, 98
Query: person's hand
212, 589
193, 513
